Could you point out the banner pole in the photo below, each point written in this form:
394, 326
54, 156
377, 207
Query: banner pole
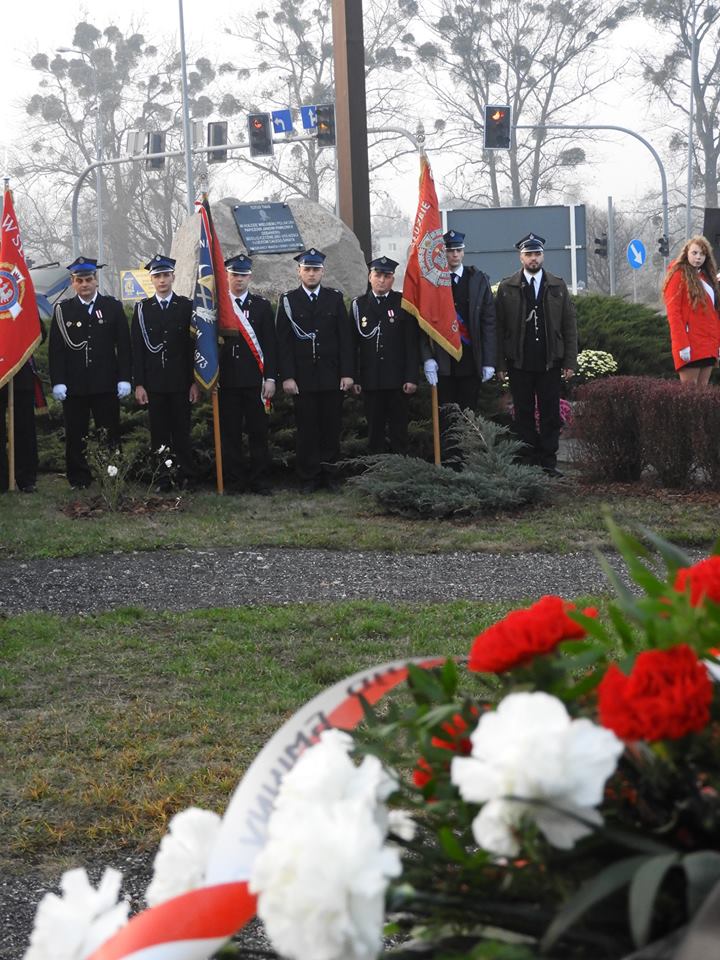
218, 445
435, 424
11, 434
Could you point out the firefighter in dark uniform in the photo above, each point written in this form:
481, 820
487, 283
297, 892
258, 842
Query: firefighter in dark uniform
458, 381
27, 395
316, 366
388, 352
248, 370
89, 354
163, 350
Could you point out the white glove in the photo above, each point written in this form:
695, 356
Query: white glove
684, 354
123, 389
487, 372
430, 368
59, 391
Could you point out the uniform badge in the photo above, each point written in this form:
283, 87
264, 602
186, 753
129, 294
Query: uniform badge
363, 322
98, 313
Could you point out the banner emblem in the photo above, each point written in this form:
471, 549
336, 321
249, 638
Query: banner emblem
12, 290
433, 259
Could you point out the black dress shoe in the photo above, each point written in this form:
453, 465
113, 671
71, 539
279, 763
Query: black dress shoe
553, 472
28, 488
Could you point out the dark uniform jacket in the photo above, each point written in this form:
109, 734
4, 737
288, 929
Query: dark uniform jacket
387, 341
315, 340
238, 366
480, 323
89, 354
163, 354
559, 315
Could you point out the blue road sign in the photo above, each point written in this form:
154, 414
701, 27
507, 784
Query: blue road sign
309, 117
282, 121
636, 254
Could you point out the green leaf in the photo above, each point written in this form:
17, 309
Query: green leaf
623, 629
702, 869
449, 677
673, 556
424, 683
451, 845
612, 878
643, 892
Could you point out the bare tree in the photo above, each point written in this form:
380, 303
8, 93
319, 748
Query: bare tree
545, 62
670, 75
130, 85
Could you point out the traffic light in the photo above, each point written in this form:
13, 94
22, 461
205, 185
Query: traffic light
155, 143
325, 124
601, 246
260, 134
497, 127
216, 137
663, 246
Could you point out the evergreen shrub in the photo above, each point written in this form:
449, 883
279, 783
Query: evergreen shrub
636, 335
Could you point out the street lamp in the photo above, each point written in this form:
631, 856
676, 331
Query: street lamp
98, 153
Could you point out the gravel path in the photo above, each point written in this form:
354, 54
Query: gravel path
193, 579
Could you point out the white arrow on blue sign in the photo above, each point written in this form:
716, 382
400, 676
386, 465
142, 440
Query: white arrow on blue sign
309, 117
282, 121
636, 254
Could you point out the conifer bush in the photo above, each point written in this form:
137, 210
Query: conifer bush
636, 335
486, 478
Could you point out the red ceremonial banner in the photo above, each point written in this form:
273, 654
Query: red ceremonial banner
227, 321
19, 318
427, 291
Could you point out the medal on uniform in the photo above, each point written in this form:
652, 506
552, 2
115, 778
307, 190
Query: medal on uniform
363, 322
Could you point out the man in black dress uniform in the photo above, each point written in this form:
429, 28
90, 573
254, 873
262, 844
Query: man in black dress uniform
163, 348
26, 385
89, 354
388, 350
248, 369
316, 366
537, 344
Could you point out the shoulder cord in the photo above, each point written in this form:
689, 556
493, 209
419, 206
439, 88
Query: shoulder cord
297, 330
65, 335
143, 330
375, 332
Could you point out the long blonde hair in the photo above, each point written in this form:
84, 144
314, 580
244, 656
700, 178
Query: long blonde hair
695, 289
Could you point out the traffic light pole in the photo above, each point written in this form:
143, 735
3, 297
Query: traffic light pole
417, 141
630, 133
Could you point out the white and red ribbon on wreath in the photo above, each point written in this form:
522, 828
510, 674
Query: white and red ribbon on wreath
196, 924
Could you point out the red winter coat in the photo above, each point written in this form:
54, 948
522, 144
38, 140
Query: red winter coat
694, 327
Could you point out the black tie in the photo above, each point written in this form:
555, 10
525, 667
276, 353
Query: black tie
238, 301
163, 304
534, 291
455, 278
313, 297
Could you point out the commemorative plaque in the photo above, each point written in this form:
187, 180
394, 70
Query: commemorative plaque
267, 228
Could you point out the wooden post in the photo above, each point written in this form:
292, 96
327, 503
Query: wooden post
11, 434
218, 444
435, 424
351, 120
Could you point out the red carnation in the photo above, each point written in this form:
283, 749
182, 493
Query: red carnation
704, 580
667, 695
523, 634
456, 742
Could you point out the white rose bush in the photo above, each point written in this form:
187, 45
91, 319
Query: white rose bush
554, 794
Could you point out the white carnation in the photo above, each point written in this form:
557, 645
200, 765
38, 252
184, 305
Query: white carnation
72, 926
181, 861
530, 749
322, 875
112, 471
168, 463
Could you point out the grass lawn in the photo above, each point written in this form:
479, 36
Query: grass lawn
36, 526
112, 723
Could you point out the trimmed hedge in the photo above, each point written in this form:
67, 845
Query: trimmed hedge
625, 425
637, 336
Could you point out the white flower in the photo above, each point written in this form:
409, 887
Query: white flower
168, 463
73, 926
162, 448
529, 748
112, 471
181, 861
322, 875
401, 824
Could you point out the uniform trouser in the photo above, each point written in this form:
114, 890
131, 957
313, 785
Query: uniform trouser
26, 452
528, 388
241, 409
318, 419
463, 391
386, 409
169, 415
105, 410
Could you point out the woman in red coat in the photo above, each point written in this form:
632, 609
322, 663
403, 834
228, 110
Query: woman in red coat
692, 299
